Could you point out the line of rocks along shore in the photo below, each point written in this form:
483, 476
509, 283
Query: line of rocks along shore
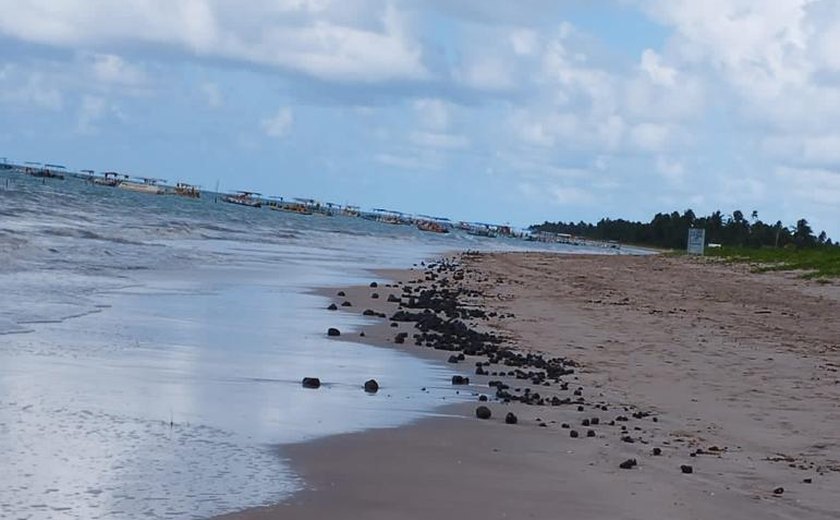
445, 310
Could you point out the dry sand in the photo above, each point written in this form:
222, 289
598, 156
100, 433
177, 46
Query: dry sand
722, 358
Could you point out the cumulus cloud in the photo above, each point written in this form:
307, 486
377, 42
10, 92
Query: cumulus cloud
279, 125
318, 38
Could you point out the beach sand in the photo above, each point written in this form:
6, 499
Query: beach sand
730, 372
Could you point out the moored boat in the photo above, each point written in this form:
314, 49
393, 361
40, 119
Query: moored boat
183, 189
147, 185
243, 198
431, 226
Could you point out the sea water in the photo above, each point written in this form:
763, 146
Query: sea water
152, 347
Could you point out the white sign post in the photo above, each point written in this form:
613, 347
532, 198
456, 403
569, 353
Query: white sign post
696, 241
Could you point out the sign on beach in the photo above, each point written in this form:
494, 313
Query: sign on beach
696, 241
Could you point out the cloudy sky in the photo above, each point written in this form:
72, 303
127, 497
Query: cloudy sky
476, 109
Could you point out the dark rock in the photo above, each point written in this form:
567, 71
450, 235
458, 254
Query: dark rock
627, 439
808, 481
584, 422
452, 359
460, 380
580, 408
332, 307
311, 382
657, 452
482, 398
369, 312
779, 490
482, 412
594, 421
371, 386
574, 434
346, 304
375, 296
341, 293
510, 418
374, 285
333, 332
628, 464
395, 324
362, 334
685, 468
590, 433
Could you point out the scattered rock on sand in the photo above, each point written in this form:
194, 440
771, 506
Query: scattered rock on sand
311, 382
482, 412
333, 332
332, 307
341, 293
779, 490
460, 380
574, 434
628, 464
685, 468
371, 386
510, 418
657, 452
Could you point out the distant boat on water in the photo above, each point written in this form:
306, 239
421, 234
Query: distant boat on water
110, 179
147, 185
47, 172
183, 189
243, 198
431, 226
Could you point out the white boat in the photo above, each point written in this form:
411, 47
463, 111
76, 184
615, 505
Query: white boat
147, 185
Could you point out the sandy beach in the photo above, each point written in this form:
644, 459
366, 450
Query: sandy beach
721, 384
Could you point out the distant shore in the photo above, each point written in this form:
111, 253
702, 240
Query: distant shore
720, 384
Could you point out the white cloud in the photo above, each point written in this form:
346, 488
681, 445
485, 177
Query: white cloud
658, 73
524, 42
112, 69
488, 73
433, 113
671, 170
26, 87
92, 109
650, 136
319, 38
279, 125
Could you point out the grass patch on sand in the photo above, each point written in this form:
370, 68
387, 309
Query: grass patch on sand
823, 262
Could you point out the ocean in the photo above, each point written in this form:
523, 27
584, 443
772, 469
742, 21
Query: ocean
152, 347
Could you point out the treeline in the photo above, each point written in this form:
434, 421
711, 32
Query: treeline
670, 230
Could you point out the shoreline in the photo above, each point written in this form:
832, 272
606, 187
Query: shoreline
459, 465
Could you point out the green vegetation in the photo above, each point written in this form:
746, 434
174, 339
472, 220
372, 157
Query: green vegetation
818, 262
670, 230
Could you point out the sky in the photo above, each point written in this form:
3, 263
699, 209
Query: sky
484, 110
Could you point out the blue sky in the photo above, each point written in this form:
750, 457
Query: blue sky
483, 110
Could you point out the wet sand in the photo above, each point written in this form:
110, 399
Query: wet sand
732, 373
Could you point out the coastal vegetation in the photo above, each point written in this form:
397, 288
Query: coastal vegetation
735, 238
815, 262
670, 231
